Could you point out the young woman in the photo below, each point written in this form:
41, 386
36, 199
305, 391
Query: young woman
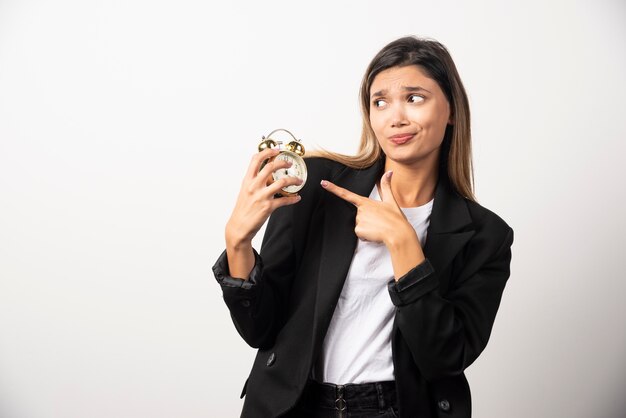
379, 285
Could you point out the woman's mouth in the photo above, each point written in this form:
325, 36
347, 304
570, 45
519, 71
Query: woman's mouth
401, 139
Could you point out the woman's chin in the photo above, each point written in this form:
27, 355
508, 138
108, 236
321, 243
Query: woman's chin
412, 159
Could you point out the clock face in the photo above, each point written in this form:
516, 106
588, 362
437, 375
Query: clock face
297, 169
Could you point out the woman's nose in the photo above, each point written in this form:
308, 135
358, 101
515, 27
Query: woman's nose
398, 116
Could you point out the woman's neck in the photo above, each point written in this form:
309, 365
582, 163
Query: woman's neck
411, 186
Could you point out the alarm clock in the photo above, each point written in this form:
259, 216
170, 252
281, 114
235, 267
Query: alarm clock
293, 152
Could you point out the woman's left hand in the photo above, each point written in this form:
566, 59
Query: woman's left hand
376, 221
384, 222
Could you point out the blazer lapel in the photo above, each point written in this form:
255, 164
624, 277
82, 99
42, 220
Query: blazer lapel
339, 242
449, 230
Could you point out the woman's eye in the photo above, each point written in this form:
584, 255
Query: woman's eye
379, 103
414, 98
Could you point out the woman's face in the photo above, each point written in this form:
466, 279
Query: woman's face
408, 113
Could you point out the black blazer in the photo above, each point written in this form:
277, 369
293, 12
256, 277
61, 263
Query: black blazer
445, 307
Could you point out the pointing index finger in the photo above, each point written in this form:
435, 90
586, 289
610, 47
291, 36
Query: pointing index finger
344, 194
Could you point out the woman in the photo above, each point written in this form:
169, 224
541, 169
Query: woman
376, 289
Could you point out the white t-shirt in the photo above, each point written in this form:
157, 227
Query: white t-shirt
357, 347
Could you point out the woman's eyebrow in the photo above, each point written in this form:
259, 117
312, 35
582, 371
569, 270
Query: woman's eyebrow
405, 88
416, 88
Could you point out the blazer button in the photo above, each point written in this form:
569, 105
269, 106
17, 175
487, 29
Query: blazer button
271, 359
245, 303
444, 405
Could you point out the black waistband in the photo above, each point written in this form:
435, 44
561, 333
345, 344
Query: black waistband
362, 396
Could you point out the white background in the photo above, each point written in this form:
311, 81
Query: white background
125, 129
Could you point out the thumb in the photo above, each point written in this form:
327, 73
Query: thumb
385, 188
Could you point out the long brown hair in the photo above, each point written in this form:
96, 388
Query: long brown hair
434, 59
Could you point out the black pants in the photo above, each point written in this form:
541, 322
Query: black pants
366, 400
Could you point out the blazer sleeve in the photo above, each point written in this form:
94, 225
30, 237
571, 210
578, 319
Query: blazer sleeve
257, 305
446, 334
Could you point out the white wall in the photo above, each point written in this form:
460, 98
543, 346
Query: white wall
125, 129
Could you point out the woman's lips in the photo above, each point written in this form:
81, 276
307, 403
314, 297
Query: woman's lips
401, 139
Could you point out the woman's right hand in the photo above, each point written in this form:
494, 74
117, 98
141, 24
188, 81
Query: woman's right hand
256, 201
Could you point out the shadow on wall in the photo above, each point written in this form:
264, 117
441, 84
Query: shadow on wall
616, 403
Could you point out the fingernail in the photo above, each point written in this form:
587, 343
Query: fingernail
324, 183
298, 197
389, 174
